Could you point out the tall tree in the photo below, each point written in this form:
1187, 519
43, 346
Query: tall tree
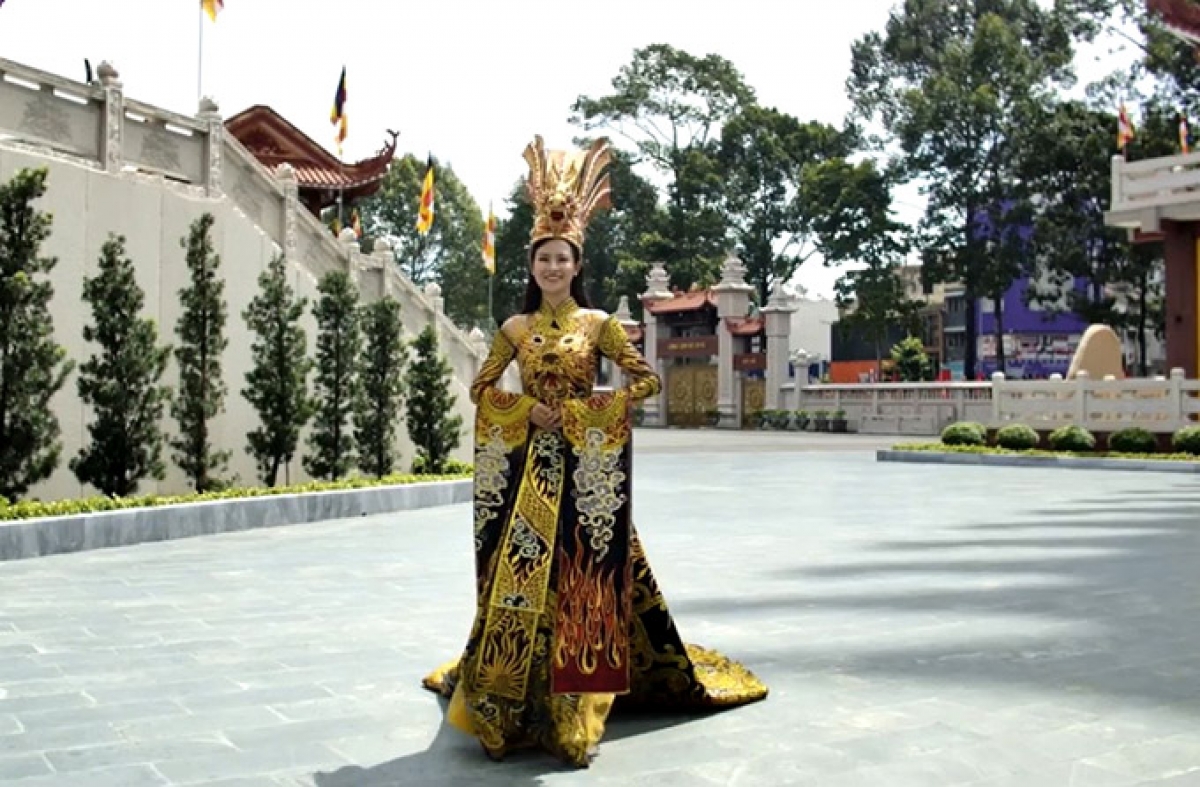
381, 387
952, 83
670, 106
202, 340
277, 383
766, 156
451, 254
339, 341
431, 426
33, 367
121, 382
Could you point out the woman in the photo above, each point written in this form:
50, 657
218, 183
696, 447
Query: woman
569, 617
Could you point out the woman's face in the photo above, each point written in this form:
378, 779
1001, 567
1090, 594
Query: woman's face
553, 268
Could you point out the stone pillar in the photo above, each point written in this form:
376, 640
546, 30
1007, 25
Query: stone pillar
1182, 288
433, 293
111, 151
625, 317
658, 288
777, 315
733, 301
286, 175
210, 115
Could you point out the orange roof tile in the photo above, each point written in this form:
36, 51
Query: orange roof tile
745, 326
683, 302
273, 141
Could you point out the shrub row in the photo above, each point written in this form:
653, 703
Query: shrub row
33, 509
1071, 438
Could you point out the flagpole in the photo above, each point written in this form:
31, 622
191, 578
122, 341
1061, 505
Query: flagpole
200, 54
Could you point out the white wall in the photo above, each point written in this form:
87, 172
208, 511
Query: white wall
812, 326
154, 214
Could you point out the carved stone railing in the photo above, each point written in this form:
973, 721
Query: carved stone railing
96, 125
1157, 405
895, 408
1143, 193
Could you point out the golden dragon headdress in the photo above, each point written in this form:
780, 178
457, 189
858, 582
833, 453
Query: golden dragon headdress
566, 188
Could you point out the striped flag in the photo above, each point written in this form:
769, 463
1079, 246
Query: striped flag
425, 209
337, 115
211, 7
1124, 128
1183, 134
489, 243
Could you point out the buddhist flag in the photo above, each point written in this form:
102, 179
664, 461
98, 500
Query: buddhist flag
1124, 128
356, 222
425, 210
489, 243
337, 115
212, 8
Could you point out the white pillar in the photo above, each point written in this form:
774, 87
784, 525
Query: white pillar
658, 288
733, 301
112, 154
214, 143
778, 318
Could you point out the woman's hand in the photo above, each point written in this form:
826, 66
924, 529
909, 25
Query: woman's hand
546, 417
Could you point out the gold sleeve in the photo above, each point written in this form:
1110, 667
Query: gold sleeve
498, 359
614, 344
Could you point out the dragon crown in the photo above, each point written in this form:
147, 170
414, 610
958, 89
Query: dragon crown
566, 188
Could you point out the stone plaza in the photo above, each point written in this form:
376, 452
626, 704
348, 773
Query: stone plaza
917, 625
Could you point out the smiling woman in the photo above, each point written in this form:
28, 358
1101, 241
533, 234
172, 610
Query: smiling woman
569, 618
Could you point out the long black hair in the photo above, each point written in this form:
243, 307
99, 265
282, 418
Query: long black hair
533, 293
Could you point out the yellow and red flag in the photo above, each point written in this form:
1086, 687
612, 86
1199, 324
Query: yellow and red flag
1124, 128
425, 209
212, 8
337, 115
356, 223
489, 243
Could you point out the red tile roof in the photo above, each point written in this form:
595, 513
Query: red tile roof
683, 302
745, 326
1181, 17
273, 141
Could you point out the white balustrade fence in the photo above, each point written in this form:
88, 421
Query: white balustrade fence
1160, 405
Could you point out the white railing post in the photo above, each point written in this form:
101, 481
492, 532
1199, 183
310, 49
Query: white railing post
1081, 397
1178, 400
997, 399
214, 143
111, 151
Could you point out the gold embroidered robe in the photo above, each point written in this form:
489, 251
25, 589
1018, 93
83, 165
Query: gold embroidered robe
569, 617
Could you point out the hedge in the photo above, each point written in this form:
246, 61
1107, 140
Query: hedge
33, 509
984, 449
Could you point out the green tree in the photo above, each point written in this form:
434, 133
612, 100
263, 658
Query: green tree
277, 383
670, 106
911, 363
33, 367
431, 426
873, 302
451, 253
767, 157
202, 340
121, 383
339, 341
954, 84
381, 387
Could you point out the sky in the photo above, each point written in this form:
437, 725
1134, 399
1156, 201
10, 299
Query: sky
470, 80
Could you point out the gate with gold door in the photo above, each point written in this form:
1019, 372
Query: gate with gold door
754, 398
691, 394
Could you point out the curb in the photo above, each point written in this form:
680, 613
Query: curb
1064, 462
28, 538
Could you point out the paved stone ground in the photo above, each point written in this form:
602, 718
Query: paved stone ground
917, 625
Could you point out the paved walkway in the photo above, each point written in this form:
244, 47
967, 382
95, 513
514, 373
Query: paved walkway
917, 625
